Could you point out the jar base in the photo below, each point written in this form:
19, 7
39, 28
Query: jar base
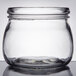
37, 63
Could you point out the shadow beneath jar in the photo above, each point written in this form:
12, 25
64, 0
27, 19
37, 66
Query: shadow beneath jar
16, 71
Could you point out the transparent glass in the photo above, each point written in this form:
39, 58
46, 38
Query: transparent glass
38, 37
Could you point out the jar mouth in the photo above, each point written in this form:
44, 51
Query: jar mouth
39, 13
38, 10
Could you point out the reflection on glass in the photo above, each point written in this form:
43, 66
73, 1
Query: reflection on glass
14, 71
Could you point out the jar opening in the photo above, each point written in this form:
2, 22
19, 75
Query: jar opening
38, 12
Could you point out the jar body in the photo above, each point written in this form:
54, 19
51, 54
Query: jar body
38, 43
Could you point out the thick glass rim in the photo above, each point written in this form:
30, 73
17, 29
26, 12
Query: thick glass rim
38, 10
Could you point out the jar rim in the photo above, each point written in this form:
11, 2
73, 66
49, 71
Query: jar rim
38, 10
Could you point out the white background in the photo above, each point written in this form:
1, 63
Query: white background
4, 4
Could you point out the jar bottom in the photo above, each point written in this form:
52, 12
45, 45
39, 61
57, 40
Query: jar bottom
37, 63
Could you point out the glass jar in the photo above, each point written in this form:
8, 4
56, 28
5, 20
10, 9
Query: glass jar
38, 37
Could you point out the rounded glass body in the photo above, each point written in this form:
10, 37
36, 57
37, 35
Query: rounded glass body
38, 39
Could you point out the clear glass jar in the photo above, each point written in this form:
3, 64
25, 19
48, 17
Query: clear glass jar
38, 37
